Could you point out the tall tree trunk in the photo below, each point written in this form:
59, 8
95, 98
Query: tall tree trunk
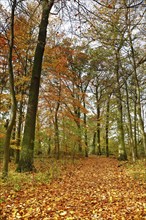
79, 136
12, 142
141, 122
98, 137
121, 148
56, 127
98, 121
132, 147
12, 93
135, 129
137, 89
77, 112
94, 143
26, 157
78, 122
137, 86
138, 104
38, 147
107, 127
19, 129
85, 129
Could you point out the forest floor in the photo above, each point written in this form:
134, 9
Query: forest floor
94, 188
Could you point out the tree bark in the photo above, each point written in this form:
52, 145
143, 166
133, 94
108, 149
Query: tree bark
121, 148
12, 93
56, 128
85, 129
107, 127
138, 109
138, 95
26, 157
135, 129
94, 143
98, 121
132, 147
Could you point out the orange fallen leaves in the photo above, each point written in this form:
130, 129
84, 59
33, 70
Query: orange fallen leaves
95, 189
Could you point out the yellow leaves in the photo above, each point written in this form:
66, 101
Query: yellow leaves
94, 189
110, 199
71, 212
15, 147
63, 213
22, 80
4, 98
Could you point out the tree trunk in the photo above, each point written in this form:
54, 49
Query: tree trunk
12, 142
121, 148
137, 87
56, 127
77, 112
138, 104
26, 157
141, 123
38, 147
107, 127
19, 130
135, 129
13, 97
85, 129
79, 136
49, 146
132, 147
98, 122
136, 81
94, 143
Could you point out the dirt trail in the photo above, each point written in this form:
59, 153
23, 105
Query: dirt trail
95, 189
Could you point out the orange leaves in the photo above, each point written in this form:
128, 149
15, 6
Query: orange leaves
62, 83
58, 61
110, 6
3, 42
94, 188
2, 135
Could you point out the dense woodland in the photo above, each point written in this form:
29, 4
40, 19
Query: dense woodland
72, 80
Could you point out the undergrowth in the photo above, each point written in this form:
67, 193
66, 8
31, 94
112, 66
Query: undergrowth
51, 169
47, 170
137, 170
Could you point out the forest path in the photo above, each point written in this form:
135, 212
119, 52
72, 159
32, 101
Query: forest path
94, 189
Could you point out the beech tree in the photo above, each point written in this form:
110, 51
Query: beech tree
26, 157
24, 45
135, 66
10, 125
110, 30
65, 87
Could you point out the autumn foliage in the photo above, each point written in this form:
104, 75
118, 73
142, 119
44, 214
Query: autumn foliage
93, 188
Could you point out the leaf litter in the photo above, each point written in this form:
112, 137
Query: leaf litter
94, 189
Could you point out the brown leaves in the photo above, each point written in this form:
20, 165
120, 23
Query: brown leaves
95, 188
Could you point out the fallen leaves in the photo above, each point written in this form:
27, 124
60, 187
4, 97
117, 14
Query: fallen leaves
94, 189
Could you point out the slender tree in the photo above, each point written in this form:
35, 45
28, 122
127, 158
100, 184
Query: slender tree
138, 93
107, 125
12, 93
